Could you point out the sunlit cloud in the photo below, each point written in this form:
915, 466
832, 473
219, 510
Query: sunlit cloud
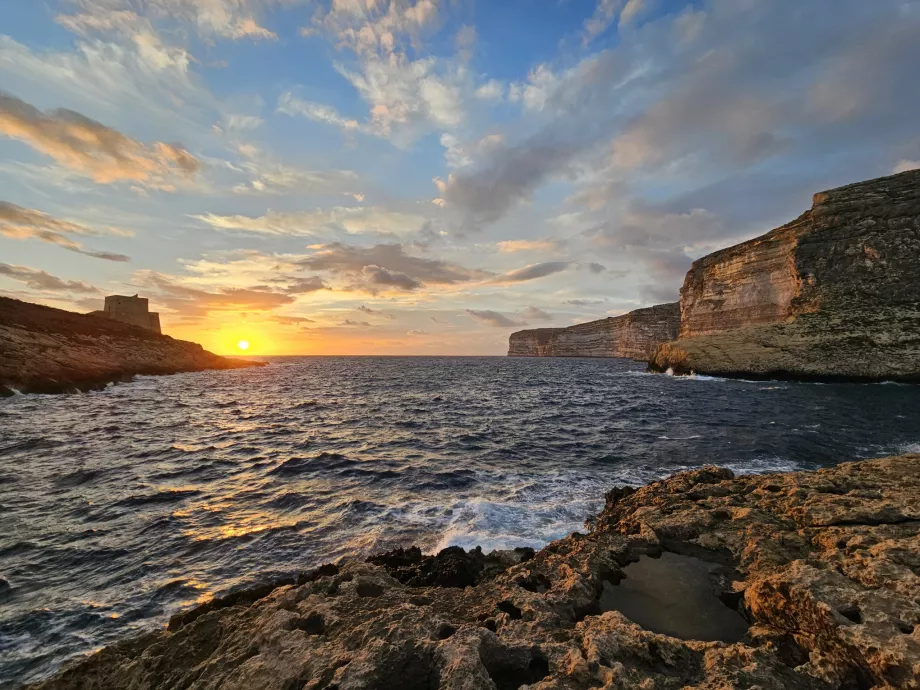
41, 280
25, 223
92, 149
338, 219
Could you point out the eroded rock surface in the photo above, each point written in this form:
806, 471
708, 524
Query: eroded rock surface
634, 335
45, 350
834, 294
828, 574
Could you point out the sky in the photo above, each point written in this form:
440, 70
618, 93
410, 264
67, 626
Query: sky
425, 176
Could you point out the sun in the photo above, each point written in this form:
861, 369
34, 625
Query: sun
243, 344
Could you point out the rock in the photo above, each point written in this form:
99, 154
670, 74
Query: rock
49, 350
827, 570
634, 335
833, 295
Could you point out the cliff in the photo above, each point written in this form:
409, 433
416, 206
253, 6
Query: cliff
634, 335
811, 579
45, 350
832, 295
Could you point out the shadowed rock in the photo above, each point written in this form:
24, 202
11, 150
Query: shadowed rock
48, 350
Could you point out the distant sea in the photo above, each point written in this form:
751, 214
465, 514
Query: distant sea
121, 507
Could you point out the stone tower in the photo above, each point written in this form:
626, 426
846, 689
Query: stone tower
133, 310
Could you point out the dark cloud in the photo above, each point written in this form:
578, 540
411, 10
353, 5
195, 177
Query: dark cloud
374, 312
541, 270
584, 302
92, 149
360, 324
387, 265
40, 280
26, 223
377, 275
302, 286
535, 314
493, 318
293, 320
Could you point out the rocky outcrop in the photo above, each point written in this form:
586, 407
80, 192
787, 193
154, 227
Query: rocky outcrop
824, 568
832, 295
634, 335
47, 350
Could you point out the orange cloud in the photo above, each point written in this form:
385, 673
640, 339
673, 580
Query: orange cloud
25, 223
90, 148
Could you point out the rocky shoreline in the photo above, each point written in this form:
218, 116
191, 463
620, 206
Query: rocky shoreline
46, 350
822, 569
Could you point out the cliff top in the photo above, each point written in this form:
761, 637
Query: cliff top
36, 317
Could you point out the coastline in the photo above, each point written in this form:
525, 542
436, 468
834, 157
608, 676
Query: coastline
49, 350
820, 564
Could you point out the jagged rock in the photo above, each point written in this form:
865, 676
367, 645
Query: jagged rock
634, 335
828, 574
48, 350
833, 295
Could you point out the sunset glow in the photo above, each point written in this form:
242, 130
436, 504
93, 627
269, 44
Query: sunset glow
243, 344
396, 177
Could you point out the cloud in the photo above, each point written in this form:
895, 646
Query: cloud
905, 165
688, 99
231, 19
302, 286
92, 149
417, 331
194, 302
292, 320
387, 265
26, 223
535, 314
493, 318
378, 275
355, 324
374, 312
541, 270
584, 302
345, 219
512, 246
40, 280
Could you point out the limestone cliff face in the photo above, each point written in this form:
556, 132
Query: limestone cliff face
834, 294
45, 350
634, 335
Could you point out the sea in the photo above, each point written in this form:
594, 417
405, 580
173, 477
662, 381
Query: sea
121, 507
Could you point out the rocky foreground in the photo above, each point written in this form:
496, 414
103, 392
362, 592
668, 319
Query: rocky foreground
834, 294
45, 350
825, 566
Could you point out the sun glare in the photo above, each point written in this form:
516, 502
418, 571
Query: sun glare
243, 344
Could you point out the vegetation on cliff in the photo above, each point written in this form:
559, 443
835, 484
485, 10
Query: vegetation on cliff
46, 350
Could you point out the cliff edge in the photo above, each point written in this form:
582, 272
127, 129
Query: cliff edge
814, 577
634, 335
833, 295
46, 350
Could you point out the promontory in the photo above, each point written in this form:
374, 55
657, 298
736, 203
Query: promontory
46, 350
835, 294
